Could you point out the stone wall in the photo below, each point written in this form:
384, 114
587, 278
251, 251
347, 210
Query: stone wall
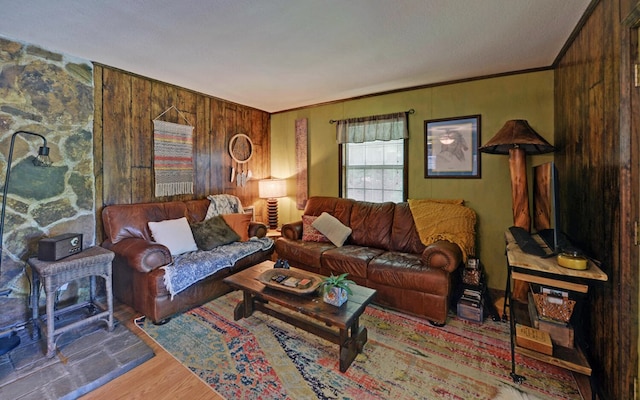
51, 94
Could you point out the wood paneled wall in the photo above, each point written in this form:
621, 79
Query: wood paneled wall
598, 184
125, 106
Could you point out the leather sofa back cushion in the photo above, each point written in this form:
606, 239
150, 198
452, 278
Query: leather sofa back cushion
335, 206
130, 220
197, 209
371, 224
404, 235
382, 225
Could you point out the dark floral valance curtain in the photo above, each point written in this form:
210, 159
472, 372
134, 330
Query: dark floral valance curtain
376, 127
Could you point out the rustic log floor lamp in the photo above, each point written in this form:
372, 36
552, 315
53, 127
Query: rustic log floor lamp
518, 139
10, 342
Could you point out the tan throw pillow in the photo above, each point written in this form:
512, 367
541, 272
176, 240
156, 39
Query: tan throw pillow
332, 228
213, 232
309, 233
239, 223
174, 234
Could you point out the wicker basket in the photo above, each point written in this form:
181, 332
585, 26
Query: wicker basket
553, 310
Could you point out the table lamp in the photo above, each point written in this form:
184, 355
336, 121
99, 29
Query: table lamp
518, 139
272, 189
8, 343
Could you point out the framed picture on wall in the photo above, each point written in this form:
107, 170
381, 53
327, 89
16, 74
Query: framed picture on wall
451, 147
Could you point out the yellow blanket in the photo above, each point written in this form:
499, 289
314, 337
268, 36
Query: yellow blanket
437, 220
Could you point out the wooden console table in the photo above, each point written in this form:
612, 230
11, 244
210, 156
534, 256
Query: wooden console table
545, 271
92, 262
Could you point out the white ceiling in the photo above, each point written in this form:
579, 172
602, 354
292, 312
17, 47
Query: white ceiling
276, 55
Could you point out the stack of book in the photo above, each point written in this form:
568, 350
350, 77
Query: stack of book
470, 305
471, 302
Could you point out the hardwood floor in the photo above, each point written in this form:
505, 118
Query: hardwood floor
162, 377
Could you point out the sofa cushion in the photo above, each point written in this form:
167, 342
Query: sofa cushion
213, 232
301, 254
336, 206
175, 234
239, 223
404, 236
309, 233
406, 271
350, 259
371, 224
196, 209
332, 228
122, 221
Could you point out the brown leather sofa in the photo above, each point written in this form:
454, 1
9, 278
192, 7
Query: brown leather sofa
138, 280
383, 252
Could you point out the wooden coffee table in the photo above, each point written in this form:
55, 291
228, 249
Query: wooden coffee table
338, 325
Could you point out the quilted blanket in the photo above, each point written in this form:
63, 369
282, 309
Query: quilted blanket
189, 268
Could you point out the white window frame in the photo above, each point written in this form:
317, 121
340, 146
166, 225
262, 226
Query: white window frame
372, 191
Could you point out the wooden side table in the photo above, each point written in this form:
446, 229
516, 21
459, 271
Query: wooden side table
92, 262
274, 234
544, 271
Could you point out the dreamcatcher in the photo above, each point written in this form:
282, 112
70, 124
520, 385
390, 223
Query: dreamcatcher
241, 150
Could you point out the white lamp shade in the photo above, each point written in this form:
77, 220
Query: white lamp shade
272, 188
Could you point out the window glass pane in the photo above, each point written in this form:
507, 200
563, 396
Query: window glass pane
355, 178
392, 179
393, 154
373, 179
374, 153
373, 171
355, 154
374, 196
356, 194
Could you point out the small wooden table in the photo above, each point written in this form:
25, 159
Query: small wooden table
92, 262
350, 336
545, 271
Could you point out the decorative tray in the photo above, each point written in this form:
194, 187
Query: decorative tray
268, 279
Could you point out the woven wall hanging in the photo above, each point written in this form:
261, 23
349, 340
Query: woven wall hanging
172, 156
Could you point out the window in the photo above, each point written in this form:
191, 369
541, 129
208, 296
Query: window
374, 171
373, 158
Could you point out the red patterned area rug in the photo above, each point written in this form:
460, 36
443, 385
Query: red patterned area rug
405, 358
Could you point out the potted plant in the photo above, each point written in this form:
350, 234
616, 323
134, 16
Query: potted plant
336, 289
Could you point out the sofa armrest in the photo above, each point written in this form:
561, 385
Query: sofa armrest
257, 229
141, 255
443, 255
292, 230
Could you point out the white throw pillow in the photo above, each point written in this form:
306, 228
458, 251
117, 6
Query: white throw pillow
332, 228
175, 234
